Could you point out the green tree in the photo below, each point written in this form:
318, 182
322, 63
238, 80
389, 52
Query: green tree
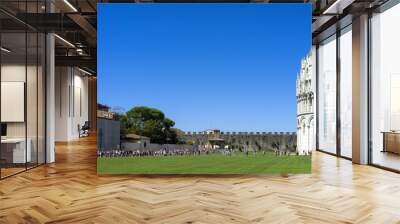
122, 118
149, 122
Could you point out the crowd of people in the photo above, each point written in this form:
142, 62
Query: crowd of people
162, 152
141, 153
179, 152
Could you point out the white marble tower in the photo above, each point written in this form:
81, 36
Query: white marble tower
305, 107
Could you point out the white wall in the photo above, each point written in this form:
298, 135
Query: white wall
12, 73
71, 102
33, 126
61, 86
80, 110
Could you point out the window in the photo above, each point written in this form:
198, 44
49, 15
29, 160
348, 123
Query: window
327, 95
385, 88
346, 92
22, 95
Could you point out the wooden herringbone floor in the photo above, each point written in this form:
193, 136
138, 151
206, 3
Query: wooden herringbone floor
70, 191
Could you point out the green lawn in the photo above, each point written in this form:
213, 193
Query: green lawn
205, 164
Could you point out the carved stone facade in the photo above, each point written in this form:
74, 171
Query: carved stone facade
305, 108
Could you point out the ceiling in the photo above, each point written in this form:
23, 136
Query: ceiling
75, 21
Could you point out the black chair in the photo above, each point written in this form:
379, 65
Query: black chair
84, 130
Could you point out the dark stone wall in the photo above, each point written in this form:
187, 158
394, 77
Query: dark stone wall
108, 134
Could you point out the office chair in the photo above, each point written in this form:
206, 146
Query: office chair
84, 130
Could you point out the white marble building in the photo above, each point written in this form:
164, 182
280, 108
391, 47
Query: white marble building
305, 107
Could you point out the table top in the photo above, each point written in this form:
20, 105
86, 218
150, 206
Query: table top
13, 140
391, 132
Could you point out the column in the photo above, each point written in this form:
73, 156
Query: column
50, 92
50, 99
360, 90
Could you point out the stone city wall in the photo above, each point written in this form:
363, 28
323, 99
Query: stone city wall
253, 140
155, 147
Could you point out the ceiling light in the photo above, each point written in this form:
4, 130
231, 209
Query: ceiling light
70, 5
64, 40
79, 51
337, 7
332, 7
84, 71
5, 50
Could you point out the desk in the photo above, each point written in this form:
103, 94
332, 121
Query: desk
13, 150
391, 141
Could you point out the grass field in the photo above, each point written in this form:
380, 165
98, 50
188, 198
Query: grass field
205, 164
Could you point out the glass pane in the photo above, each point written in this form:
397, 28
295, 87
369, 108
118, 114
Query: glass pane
31, 98
327, 95
41, 98
13, 86
346, 92
385, 93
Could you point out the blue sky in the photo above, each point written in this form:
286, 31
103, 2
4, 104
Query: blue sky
226, 66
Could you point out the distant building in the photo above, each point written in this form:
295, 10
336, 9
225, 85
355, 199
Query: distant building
215, 141
103, 111
138, 142
133, 138
305, 107
108, 129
